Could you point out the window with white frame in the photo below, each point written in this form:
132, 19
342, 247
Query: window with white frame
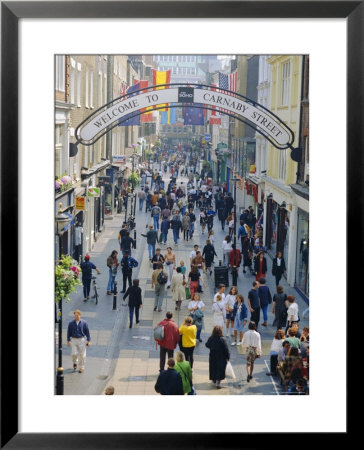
60, 73
286, 74
105, 88
100, 89
73, 81
87, 88
282, 165
78, 84
91, 90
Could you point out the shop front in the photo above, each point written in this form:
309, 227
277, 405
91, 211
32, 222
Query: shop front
302, 252
64, 203
278, 224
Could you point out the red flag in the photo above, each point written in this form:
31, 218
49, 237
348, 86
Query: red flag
145, 117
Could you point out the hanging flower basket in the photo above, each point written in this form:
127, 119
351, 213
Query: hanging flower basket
67, 277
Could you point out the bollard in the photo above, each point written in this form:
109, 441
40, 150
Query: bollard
234, 274
135, 238
114, 299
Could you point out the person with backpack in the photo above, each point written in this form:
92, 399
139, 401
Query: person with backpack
127, 264
127, 243
166, 335
159, 280
86, 268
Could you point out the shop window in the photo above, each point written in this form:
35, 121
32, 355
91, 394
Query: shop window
302, 259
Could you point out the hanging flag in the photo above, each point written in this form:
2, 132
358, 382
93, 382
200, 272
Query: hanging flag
259, 222
145, 117
172, 115
161, 77
193, 116
228, 82
125, 122
123, 88
164, 117
213, 113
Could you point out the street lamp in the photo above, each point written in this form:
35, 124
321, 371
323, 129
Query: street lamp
62, 220
234, 270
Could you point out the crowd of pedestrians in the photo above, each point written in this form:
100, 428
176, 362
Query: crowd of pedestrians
179, 207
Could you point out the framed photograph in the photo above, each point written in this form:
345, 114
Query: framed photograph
33, 33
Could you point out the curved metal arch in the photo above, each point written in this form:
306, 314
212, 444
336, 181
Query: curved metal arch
190, 105
138, 113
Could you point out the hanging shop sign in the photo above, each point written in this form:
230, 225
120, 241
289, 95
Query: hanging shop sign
80, 203
93, 192
118, 159
246, 110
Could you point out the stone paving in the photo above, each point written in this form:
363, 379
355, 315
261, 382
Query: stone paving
127, 358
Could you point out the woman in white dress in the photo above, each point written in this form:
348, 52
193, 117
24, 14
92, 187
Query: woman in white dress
219, 310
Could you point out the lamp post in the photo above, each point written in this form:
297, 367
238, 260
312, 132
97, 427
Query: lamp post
234, 270
62, 220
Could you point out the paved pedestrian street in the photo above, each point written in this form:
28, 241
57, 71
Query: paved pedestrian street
128, 359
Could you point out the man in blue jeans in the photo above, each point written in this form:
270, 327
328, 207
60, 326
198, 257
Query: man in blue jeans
156, 211
141, 196
152, 237
192, 223
176, 226
86, 267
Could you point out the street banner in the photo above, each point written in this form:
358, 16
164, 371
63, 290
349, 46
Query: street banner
80, 203
161, 77
93, 192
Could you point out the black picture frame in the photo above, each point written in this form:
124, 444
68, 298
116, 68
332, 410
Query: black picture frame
11, 12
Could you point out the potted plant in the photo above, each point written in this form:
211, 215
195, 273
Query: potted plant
134, 179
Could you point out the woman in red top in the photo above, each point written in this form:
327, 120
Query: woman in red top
260, 266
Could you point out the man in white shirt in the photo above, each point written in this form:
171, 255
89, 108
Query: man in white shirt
193, 253
252, 343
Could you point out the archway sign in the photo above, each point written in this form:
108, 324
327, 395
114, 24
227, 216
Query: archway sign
156, 97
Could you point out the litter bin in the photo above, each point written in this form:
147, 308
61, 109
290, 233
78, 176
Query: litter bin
221, 276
